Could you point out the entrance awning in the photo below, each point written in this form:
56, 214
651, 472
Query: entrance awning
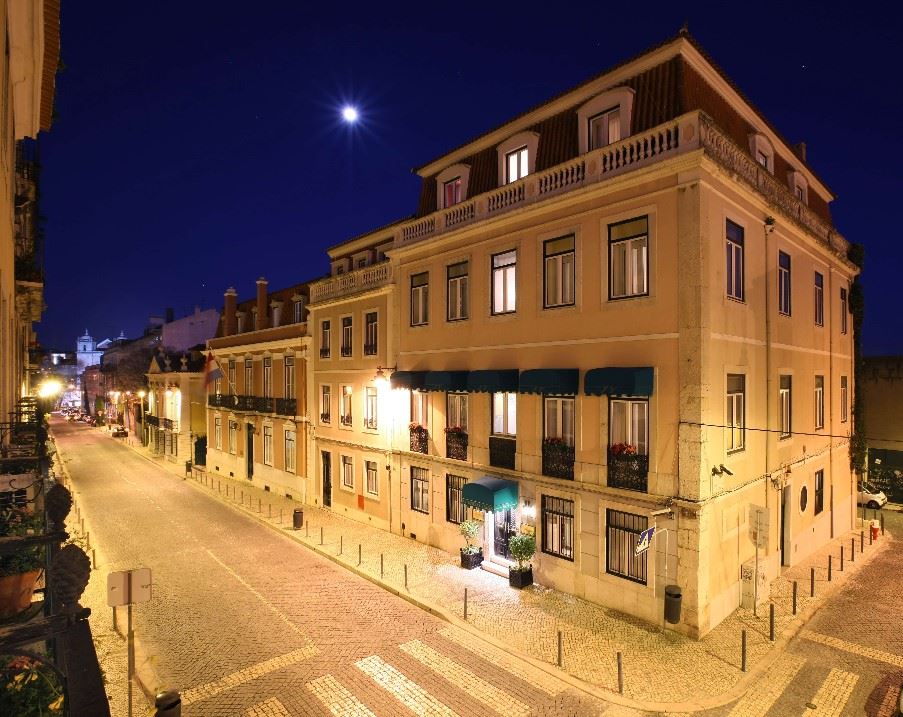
492, 381
616, 381
446, 381
550, 381
491, 494
412, 380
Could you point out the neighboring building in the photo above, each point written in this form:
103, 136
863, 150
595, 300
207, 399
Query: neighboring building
257, 412
93, 396
88, 352
176, 405
882, 398
124, 366
190, 331
630, 307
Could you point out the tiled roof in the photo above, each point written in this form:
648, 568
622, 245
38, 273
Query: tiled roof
51, 60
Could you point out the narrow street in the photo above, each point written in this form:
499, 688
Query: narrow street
246, 622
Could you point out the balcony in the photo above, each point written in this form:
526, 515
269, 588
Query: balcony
345, 420
170, 425
151, 420
346, 351
501, 452
456, 444
628, 471
286, 406
369, 349
245, 403
557, 459
687, 133
354, 282
220, 400
420, 440
264, 404
324, 353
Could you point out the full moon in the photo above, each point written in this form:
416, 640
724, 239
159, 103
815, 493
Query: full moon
349, 114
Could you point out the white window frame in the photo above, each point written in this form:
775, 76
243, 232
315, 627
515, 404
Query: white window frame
504, 414
346, 409
420, 408
460, 172
559, 418
457, 290
785, 285
325, 403
819, 402
289, 449
371, 478
620, 99
504, 282
456, 411
785, 406
288, 377
517, 164
267, 377
558, 525
819, 286
735, 277
346, 350
420, 299
628, 422
218, 432
371, 406
559, 271
297, 311
268, 445
347, 465
523, 140
325, 338
249, 377
629, 257
420, 489
233, 437
735, 414
371, 333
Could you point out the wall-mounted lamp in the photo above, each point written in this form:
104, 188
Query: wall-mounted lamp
721, 470
769, 224
381, 377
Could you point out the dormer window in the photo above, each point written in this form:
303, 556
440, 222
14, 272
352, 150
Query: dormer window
452, 192
605, 128
516, 165
762, 151
517, 157
451, 187
798, 185
605, 119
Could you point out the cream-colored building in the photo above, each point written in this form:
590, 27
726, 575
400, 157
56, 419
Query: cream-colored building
175, 416
627, 308
257, 412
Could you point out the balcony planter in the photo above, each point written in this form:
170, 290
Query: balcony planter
626, 468
16, 592
557, 459
456, 443
469, 561
471, 555
420, 438
19, 570
523, 548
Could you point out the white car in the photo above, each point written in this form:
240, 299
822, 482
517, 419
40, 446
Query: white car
870, 496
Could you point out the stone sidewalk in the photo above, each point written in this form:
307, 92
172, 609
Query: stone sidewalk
663, 671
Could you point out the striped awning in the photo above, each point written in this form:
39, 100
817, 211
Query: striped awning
550, 381
619, 381
491, 494
412, 380
492, 381
446, 381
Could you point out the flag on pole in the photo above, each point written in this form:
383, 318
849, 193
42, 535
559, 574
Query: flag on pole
212, 371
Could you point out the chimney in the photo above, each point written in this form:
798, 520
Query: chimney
230, 299
800, 149
170, 315
262, 321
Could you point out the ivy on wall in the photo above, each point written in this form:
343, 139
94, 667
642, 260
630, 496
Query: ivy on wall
858, 445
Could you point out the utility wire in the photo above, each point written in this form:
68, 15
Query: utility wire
792, 433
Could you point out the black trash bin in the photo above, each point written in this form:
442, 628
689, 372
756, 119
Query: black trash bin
188, 468
298, 519
168, 704
673, 597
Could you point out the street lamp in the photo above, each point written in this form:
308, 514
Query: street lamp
141, 395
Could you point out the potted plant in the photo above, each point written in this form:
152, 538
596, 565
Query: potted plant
471, 555
19, 571
523, 548
32, 687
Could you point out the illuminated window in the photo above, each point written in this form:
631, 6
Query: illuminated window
559, 419
628, 258
456, 415
290, 451
785, 405
420, 299
516, 165
559, 271
844, 400
268, 445
372, 478
605, 128
735, 417
734, 256
420, 489
819, 402
370, 404
457, 291
504, 414
504, 282
345, 413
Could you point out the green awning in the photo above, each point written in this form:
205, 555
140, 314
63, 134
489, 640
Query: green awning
492, 381
446, 381
616, 381
412, 380
491, 494
550, 381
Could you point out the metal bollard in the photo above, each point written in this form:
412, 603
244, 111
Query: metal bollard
94, 559
88, 540
280, 516
259, 510
841, 558
341, 543
321, 535
771, 622
380, 566
359, 559
465, 604
560, 651
242, 497
852, 550
861, 541
870, 536
306, 529
406, 576
743, 651
830, 560
620, 674
794, 597
811, 582
882, 524
269, 510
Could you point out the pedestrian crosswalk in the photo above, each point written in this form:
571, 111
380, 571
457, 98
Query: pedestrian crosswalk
833, 694
756, 702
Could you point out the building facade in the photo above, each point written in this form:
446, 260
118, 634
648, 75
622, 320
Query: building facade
175, 417
881, 387
628, 308
257, 412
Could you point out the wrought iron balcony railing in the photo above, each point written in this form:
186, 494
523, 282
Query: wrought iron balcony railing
286, 406
557, 460
420, 440
628, 471
501, 452
456, 445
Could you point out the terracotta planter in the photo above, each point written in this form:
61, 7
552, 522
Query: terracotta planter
16, 591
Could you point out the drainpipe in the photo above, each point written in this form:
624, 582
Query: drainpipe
768, 228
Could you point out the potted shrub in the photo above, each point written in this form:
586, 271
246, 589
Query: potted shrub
19, 571
471, 555
523, 548
32, 687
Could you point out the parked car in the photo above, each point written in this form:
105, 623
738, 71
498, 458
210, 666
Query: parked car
870, 496
120, 432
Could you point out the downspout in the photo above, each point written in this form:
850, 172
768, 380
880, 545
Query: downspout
768, 228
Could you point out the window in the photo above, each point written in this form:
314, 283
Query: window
457, 291
249, 377
622, 532
762, 151
217, 386
345, 412
629, 424
504, 282
325, 403
516, 165
289, 377
628, 258
239, 322
231, 376
558, 527
735, 416
289, 451
734, 269
420, 489
268, 445
456, 416
605, 128
297, 311
559, 418
784, 401
784, 283
346, 336
558, 278
844, 310
276, 308
804, 499
451, 191
372, 478
454, 498
347, 472
371, 333
819, 505
218, 433
420, 408
819, 402
762, 158
325, 334
370, 407
420, 299
819, 299
268, 378
233, 436
504, 414
844, 400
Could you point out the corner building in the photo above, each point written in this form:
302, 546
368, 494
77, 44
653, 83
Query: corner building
625, 308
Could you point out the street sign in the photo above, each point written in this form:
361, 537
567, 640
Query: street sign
644, 541
758, 525
129, 587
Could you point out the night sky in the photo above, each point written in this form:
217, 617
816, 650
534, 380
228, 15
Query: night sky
199, 145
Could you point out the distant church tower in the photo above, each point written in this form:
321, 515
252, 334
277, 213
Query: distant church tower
86, 353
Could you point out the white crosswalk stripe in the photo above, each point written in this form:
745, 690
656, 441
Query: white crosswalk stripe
337, 699
461, 677
761, 696
268, 708
833, 694
406, 691
517, 667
